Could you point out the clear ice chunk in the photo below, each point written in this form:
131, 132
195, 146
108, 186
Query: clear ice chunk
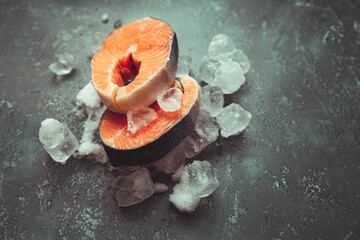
240, 57
221, 44
233, 120
105, 18
89, 97
60, 69
139, 118
171, 161
229, 76
133, 188
197, 181
96, 40
207, 127
57, 139
207, 69
194, 144
183, 67
170, 100
212, 99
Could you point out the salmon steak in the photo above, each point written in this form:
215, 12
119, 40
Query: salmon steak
134, 64
154, 141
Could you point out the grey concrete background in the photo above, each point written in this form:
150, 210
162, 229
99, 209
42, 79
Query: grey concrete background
293, 174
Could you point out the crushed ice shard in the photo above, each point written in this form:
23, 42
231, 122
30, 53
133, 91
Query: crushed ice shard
212, 99
133, 188
233, 120
139, 118
197, 180
220, 44
57, 140
229, 76
170, 100
60, 69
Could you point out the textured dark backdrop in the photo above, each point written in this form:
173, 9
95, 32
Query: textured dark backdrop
294, 173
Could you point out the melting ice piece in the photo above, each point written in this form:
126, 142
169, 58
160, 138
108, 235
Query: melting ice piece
96, 40
57, 139
233, 119
139, 118
89, 97
184, 64
220, 44
207, 127
207, 69
194, 144
60, 69
171, 161
212, 99
240, 57
133, 188
197, 181
105, 18
229, 77
170, 100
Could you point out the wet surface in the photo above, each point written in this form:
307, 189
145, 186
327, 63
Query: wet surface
293, 174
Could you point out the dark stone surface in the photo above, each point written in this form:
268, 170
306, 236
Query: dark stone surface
293, 174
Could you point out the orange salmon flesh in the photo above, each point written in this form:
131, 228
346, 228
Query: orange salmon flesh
145, 50
113, 126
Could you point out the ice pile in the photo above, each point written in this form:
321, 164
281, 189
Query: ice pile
197, 180
139, 118
89, 101
233, 120
206, 132
224, 66
64, 66
183, 67
212, 99
171, 161
57, 139
135, 187
170, 100
96, 40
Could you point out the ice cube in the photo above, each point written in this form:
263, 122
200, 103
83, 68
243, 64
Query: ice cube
133, 188
60, 69
207, 69
207, 127
96, 40
220, 44
233, 119
89, 97
212, 99
51, 132
105, 18
171, 161
197, 181
57, 139
139, 118
194, 144
229, 76
240, 57
183, 67
170, 100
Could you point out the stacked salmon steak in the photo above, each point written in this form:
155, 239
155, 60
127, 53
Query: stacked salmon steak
133, 67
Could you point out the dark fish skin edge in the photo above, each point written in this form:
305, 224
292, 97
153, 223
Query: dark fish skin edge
158, 148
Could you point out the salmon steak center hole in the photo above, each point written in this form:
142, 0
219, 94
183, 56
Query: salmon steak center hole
125, 71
